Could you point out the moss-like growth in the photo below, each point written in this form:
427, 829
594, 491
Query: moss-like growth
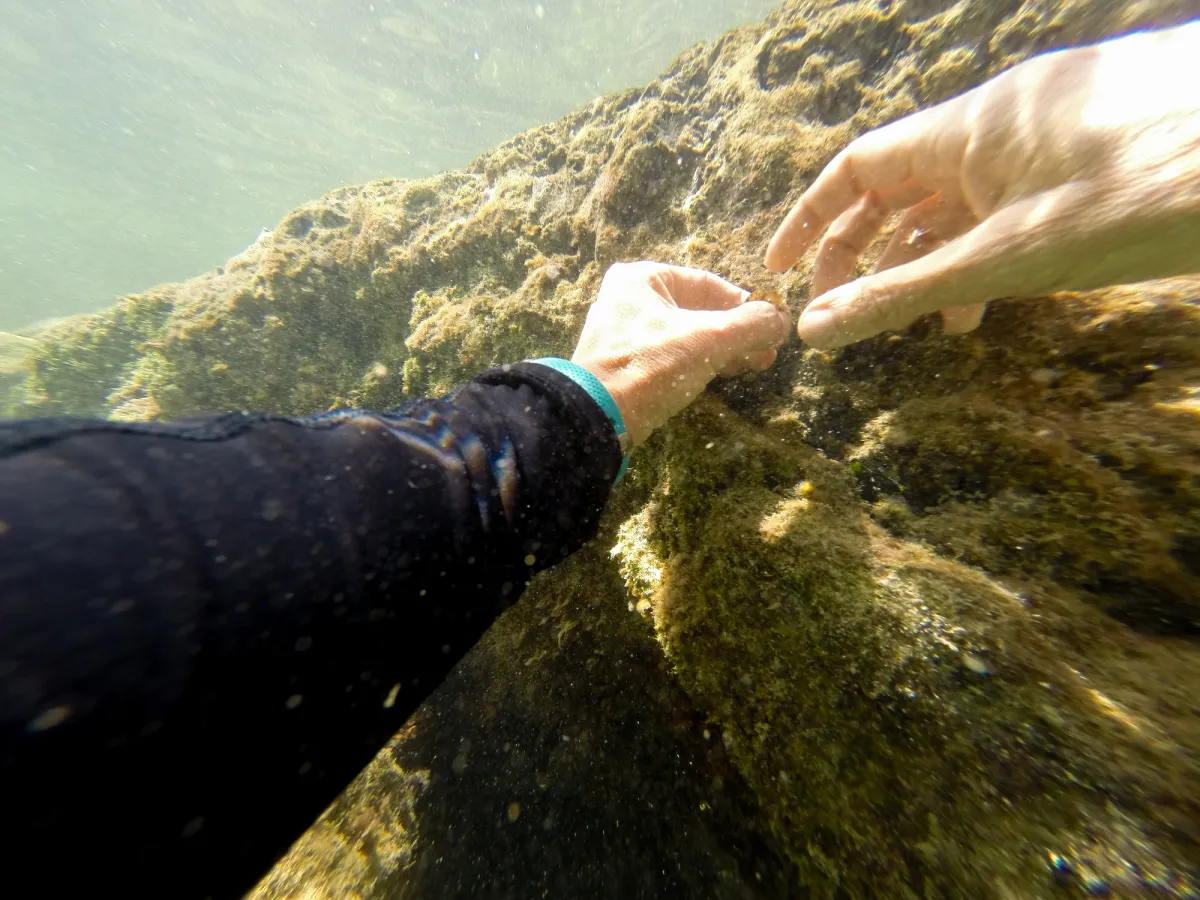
907, 716
84, 362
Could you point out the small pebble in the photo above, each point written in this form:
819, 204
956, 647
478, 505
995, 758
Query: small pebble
975, 664
1044, 377
773, 297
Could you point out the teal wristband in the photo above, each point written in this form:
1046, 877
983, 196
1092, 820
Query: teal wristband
597, 392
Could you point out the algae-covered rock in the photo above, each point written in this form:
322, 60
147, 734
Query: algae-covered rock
921, 725
915, 618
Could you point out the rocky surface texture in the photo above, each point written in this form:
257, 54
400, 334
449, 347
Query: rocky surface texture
916, 618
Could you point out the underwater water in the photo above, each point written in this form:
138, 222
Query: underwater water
149, 141
912, 612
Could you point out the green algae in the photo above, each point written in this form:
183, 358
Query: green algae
903, 712
84, 362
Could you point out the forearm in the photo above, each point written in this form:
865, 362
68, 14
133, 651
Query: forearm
250, 609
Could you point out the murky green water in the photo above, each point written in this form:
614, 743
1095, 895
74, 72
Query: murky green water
149, 140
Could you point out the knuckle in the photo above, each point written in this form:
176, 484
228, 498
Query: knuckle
837, 245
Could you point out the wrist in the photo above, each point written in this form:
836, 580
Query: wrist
595, 387
618, 383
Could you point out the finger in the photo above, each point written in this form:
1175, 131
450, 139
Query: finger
729, 339
1050, 242
690, 288
758, 361
929, 225
902, 162
924, 228
845, 241
961, 319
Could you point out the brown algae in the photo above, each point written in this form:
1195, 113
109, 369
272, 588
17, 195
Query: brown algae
775, 298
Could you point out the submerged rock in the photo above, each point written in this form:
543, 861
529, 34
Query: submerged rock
915, 618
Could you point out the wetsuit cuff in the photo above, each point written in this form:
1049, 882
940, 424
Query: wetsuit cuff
598, 392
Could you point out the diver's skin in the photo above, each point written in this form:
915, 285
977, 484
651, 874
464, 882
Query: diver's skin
208, 628
1074, 170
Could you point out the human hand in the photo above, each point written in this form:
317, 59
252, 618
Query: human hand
657, 334
1074, 170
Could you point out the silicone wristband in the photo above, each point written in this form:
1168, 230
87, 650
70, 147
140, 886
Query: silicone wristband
597, 392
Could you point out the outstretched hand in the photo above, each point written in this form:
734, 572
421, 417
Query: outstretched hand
657, 335
1071, 171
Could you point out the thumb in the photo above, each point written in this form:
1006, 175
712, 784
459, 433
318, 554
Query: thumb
731, 339
1078, 236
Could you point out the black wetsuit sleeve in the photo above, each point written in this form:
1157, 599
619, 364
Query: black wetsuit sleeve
208, 628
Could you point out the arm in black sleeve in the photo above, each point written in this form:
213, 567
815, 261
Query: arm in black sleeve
208, 628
